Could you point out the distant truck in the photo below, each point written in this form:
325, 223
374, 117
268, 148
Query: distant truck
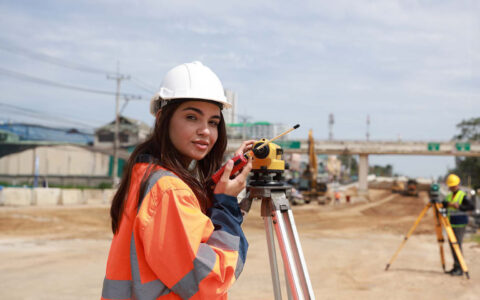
412, 188
398, 187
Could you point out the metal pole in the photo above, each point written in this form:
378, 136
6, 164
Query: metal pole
302, 265
274, 210
115, 134
116, 143
288, 257
273, 257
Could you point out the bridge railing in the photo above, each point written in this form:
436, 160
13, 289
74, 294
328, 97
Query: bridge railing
453, 148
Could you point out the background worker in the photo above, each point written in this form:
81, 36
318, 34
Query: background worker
457, 204
174, 236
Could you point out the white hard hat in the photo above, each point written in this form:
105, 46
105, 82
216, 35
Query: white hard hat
189, 81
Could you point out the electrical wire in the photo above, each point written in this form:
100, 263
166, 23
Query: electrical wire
71, 65
25, 77
18, 110
52, 60
143, 85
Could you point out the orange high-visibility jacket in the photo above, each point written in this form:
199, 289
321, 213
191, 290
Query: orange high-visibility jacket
168, 249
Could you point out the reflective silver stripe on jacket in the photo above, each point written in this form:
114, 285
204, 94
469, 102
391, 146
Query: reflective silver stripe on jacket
226, 241
117, 289
149, 290
202, 266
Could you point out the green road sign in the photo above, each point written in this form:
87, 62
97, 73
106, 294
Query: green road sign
462, 146
288, 144
433, 146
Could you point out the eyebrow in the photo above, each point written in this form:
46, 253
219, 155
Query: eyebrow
199, 112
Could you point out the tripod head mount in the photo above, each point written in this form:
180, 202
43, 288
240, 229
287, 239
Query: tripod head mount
434, 193
435, 197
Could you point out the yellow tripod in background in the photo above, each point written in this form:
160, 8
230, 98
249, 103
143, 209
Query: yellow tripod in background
440, 220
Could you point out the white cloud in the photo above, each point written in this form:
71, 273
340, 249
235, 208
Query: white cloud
409, 64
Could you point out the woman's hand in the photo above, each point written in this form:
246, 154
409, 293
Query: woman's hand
233, 187
245, 147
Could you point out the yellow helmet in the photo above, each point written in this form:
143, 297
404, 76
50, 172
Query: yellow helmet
453, 180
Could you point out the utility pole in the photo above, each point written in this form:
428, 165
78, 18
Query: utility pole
244, 120
368, 127
118, 77
330, 126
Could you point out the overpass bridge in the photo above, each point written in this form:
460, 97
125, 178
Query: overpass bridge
328, 147
365, 148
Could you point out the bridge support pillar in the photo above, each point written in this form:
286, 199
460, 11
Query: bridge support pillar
363, 174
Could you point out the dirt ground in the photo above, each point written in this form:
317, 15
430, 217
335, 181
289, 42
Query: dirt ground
60, 252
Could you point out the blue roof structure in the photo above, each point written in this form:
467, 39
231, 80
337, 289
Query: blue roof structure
31, 132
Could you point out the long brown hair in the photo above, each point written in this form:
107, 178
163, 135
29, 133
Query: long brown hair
159, 146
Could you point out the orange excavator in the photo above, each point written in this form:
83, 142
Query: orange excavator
317, 190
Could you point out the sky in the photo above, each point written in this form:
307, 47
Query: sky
413, 67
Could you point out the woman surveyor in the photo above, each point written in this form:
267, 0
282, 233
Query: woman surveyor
176, 234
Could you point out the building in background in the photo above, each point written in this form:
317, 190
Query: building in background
132, 132
65, 164
255, 130
248, 130
37, 155
8, 137
230, 114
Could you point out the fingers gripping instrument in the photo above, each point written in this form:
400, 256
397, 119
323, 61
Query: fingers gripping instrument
241, 160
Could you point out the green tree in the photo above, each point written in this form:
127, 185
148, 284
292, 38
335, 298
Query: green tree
468, 168
350, 164
381, 170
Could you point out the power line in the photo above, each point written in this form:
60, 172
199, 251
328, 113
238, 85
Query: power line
52, 60
41, 115
71, 65
38, 80
143, 85
18, 117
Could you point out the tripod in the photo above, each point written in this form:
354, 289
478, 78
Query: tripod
440, 220
276, 212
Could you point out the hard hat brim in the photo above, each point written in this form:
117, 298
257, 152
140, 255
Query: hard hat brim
155, 103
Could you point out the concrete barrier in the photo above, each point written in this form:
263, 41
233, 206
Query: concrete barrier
108, 195
92, 196
46, 196
71, 197
12, 196
17, 196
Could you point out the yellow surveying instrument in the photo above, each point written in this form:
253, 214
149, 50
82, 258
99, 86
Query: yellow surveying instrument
441, 219
267, 184
267, 166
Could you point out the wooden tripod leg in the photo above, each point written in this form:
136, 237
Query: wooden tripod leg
438, 230
424, 211
453, 240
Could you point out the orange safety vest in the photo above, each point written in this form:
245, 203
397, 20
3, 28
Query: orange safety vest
168, 249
